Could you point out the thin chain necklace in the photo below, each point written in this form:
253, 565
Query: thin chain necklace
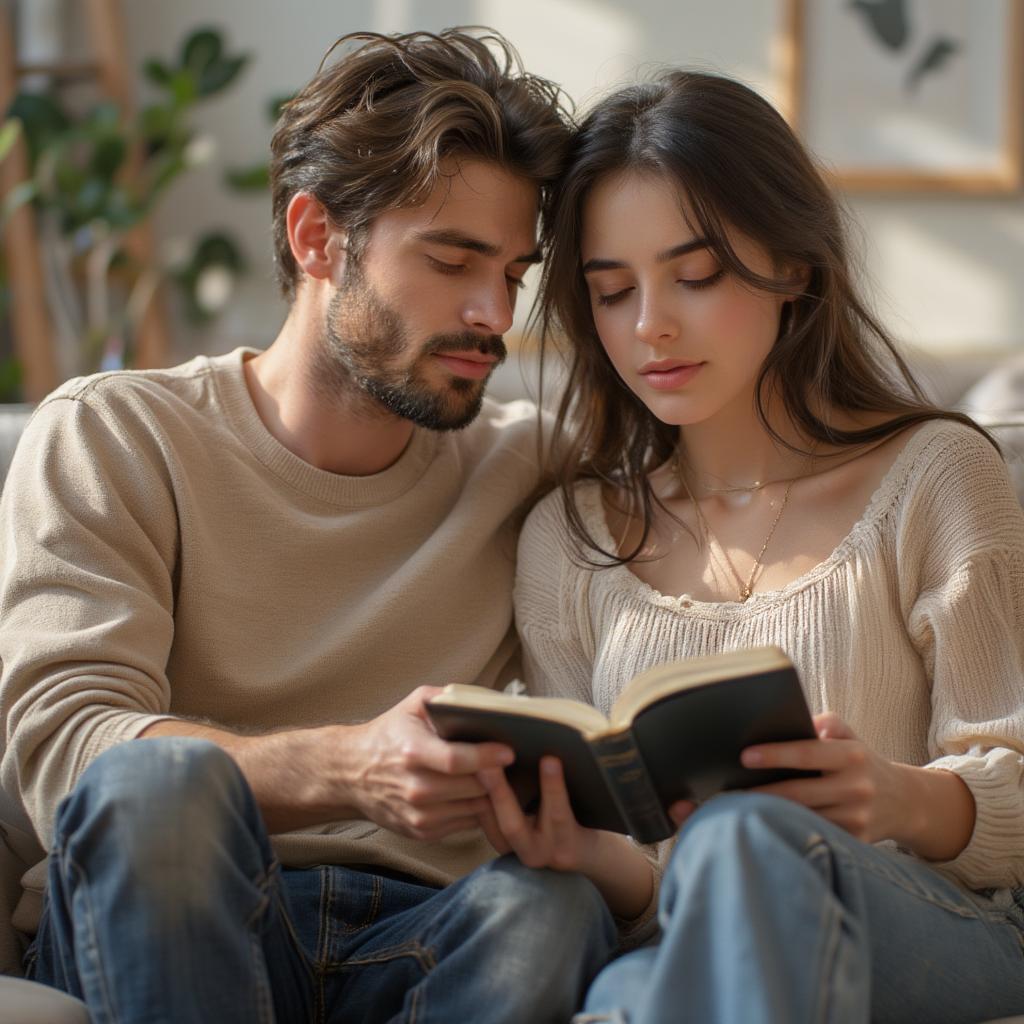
746, 588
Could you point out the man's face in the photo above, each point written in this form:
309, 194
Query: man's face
417, 319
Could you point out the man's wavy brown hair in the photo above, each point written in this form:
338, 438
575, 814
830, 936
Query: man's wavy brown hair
369, 133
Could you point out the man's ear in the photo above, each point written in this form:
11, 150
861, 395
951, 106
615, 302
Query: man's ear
316, 243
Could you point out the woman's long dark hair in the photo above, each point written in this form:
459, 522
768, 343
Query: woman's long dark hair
741, 167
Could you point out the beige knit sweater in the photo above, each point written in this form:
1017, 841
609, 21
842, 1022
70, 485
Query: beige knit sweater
912, 630
162, 554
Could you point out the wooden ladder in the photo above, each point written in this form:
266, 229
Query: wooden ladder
31, 324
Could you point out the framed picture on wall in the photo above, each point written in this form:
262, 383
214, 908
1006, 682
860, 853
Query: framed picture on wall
909, 95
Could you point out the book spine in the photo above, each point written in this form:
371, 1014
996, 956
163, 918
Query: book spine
631, 788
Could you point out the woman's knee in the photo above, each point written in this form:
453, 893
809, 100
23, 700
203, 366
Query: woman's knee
743, 820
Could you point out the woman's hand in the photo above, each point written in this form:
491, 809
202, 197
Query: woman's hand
857, 790
929, 812
550, 839
553, 838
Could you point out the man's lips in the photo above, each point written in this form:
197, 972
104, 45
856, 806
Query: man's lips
475, 365
668, 374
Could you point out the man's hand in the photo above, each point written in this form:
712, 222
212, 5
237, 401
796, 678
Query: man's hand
403, 776
393, 770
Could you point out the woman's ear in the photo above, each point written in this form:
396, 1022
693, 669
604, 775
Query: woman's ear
317, 245
799, 276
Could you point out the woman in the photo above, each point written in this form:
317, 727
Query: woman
746, 460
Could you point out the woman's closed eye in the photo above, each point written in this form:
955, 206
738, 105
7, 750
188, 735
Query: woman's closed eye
694, 284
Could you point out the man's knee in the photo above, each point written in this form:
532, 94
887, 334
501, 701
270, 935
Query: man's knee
543, 905
152, 791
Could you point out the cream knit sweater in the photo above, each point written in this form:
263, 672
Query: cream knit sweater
162, 554
912, 630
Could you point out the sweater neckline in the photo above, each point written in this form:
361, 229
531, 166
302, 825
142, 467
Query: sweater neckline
889, 487
332, 488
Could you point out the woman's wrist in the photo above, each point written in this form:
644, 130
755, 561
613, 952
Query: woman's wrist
621, 872
937, 813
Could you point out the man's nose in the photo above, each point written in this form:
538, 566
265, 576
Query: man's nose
490, 310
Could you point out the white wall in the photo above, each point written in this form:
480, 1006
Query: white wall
947, 272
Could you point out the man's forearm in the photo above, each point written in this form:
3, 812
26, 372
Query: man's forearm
280, 767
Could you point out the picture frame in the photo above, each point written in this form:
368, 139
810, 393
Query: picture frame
908, 95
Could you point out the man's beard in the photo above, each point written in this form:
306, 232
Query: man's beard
364, 337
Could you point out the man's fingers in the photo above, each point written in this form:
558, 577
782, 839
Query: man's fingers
459, 758
428, 787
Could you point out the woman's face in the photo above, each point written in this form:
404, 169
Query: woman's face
686, 336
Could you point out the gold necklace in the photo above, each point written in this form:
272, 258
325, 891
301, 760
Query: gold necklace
746, 589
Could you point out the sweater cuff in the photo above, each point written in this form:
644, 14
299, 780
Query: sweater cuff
992, 856
119, 727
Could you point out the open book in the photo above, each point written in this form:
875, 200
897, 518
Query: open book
675, 732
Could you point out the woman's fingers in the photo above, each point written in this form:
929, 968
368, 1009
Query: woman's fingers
556, 812
508, 815
681, 810
814, 755
492, 831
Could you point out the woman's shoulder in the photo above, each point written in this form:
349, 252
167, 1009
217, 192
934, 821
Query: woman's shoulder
551, 515
948, 453
952, 489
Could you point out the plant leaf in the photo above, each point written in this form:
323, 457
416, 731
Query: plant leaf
222, 73
184, 87
201, 49
157, 72
42, 119
10, 132
22, 193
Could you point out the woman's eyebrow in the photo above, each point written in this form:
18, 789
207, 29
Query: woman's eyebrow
663, 257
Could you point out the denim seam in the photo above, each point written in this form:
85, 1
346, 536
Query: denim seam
326, 903
919, 891
414, 1004
817, 847
376, 899
275, 869
265, 1002
83, 887
423, 955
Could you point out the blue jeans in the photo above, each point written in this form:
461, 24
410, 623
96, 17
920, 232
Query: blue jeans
769, 913
165, 903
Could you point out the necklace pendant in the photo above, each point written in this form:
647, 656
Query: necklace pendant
745, 593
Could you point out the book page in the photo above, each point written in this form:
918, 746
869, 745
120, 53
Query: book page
579, 716
662, 680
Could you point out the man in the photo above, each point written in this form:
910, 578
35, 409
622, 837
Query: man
254, 561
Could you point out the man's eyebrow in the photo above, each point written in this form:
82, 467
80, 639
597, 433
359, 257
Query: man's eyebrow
459, 240
663, 257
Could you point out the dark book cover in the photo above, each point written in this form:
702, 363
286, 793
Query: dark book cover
685, 744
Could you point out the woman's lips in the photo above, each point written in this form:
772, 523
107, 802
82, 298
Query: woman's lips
671, 377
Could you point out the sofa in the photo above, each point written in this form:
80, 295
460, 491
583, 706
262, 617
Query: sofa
990, 388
